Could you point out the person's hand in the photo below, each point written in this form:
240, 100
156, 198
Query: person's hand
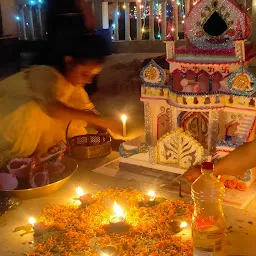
193, 172
112, 125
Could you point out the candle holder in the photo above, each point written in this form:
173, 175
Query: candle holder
108, 251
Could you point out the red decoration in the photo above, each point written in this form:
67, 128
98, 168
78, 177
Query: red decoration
169, 36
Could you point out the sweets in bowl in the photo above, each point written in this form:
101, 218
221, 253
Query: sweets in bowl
40, 179
8, 181
53, 152
20, 167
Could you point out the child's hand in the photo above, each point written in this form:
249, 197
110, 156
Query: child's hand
193, 172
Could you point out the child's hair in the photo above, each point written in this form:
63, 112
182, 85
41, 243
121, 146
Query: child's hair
81, 49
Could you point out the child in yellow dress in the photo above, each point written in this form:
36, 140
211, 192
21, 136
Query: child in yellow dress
37, 104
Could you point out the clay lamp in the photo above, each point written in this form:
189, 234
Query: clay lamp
85, 199
117, 222
149, 197
107, 251
118, 217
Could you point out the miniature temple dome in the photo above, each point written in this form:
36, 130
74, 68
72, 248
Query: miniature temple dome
214, 24
152, 74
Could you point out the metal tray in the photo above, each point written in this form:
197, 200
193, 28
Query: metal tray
71, 167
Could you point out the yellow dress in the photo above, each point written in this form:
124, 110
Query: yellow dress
25, 125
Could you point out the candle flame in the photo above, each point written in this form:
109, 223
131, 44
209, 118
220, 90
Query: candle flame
104, 254
152, 195
79, 191
32, 221
183, 224
124, 118
118, 210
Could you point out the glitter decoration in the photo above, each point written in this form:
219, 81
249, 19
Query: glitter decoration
170, 50
152, 155
173, 120
211, 69
177, 147
214, 130
152, 74
148, 121
242, 82
240, 50
236, 20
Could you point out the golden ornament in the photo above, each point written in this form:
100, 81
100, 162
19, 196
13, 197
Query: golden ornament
151, 73
242, 82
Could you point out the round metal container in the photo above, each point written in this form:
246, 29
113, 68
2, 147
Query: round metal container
71, 167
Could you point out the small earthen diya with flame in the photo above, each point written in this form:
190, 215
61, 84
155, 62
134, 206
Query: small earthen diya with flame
108, 251
117, 222
150, 199
85, 199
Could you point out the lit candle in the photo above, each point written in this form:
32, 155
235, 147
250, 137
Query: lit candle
124, 119
119, 214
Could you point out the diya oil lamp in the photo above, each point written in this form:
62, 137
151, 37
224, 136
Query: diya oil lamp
32, 221
183, 224
117, 222
149, 198
85, 199
119, 216
177, 226
29, 228
37, 227
108, 251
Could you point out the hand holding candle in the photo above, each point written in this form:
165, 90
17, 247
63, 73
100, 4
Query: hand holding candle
124, 119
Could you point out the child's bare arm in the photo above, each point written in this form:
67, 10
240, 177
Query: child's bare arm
238, 161
235, 163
